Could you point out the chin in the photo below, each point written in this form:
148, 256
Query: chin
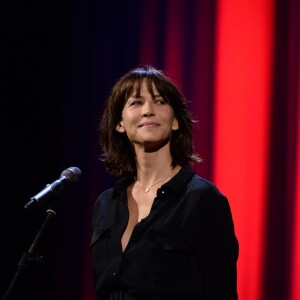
153, 146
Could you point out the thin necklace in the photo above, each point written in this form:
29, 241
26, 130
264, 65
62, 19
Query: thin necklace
147, 189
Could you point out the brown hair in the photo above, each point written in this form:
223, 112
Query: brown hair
118, 155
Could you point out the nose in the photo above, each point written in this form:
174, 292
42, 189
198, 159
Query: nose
148, 109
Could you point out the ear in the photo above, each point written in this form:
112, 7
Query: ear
120, 127
175, 125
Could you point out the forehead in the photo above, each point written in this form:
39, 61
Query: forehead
145, 85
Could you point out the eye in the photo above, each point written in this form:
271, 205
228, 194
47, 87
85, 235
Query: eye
136, 102
160, 101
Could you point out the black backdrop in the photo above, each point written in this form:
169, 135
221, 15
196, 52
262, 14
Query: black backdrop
55, 77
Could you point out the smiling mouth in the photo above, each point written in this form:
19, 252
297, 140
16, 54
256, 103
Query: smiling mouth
149, 124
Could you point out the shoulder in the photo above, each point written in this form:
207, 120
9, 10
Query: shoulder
187, 183
103, 198
113, 192
108, 200
105, 195
213, 206
195, 190
201, 184
206, 193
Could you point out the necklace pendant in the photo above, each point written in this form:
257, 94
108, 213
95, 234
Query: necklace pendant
147, 190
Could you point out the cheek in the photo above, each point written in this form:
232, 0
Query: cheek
129, 117
173, 120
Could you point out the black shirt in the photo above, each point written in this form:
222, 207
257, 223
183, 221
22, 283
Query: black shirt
186, 247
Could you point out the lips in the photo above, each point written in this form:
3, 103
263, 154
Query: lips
149, 124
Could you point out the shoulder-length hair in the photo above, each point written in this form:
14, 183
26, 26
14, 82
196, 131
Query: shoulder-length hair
118, 154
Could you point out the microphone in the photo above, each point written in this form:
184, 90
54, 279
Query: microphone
68, 177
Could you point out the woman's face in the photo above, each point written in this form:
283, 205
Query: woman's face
147, 120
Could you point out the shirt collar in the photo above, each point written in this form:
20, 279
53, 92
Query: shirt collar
176, 184
122, 184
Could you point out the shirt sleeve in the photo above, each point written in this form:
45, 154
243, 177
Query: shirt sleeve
221, 250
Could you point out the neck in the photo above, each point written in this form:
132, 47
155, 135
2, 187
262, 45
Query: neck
153, 166
153, 170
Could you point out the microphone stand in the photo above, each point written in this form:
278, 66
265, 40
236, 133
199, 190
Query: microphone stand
29, 257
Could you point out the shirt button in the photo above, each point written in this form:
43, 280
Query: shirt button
115, 275
162, 192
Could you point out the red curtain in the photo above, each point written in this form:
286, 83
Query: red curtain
238, 64
243, 75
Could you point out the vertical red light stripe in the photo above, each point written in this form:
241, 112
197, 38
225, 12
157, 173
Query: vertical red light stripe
295, 287
174, 41
243, 77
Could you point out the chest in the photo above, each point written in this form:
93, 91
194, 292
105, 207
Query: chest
139, 207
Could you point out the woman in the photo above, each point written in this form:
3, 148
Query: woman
161, 232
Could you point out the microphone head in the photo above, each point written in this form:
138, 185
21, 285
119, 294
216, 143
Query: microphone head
73, 174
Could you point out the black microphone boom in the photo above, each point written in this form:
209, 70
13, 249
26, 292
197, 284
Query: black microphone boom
68, 177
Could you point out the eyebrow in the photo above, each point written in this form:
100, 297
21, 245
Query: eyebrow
140, 97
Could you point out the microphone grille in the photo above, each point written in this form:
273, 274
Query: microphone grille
73, 174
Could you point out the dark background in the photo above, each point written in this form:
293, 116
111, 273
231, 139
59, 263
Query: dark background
52, 99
